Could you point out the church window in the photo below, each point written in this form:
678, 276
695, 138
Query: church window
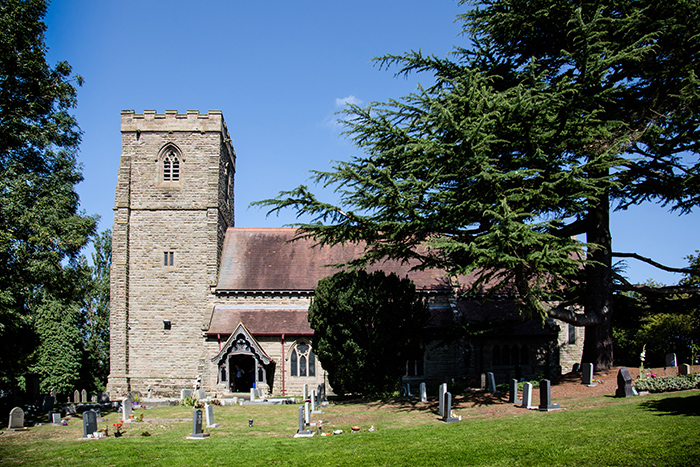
572, 334
168, 258
171, 167
302, 361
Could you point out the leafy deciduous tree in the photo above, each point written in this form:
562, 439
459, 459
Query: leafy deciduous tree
366, 326
553, 113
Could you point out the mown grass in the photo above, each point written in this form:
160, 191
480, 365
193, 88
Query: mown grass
654, 430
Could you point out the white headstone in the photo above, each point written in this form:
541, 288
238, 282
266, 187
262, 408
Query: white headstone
16, 419
313, 401
201, 394
76, 397
305, 392
83, 396
423, 393
253, 394
127, 408
185, 393
527, 396
209, 410
307, 415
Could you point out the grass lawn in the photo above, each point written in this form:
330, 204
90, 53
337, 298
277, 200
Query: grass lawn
653, 430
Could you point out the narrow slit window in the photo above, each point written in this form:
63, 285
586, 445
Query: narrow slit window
168, 258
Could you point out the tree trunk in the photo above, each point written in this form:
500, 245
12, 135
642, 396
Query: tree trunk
598, 342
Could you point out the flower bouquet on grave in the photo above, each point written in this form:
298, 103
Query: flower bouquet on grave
118, 428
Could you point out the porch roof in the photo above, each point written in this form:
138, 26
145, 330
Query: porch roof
260, 322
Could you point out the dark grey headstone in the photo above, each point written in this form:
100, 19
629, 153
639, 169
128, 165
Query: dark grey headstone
513, 394
671, 359
89, 423
491, 382
448, 418
197, 425
441, 399
48, 404
684, 369
587, 378
546, 396
527, 396
302, 431
624, 383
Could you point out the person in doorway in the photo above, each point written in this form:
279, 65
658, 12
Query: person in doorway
238, 378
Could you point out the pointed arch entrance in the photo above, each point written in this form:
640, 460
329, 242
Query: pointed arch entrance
242, 363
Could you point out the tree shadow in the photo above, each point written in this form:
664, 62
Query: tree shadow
688, 406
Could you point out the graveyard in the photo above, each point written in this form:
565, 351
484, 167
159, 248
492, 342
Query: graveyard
590, 426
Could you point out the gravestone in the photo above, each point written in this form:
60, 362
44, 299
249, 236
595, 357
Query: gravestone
53, 393
491, 382
588, 375
546, 396
408, 390
441, 399
307, 415
185, 393
93, 398
483, 381
305, 392
16, 422
209, 410
71, 409
671, 359
423, 393
89, 423
302, 431
448, 418
127, 408
76, 397
253, 394
527, 396
55, 418
313, 401
513, 394
83, 396
576, 368
197, 432
684, 369
624, 383
47, 406
201, 394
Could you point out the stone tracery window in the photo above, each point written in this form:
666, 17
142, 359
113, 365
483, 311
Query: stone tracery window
171, 167
302, 361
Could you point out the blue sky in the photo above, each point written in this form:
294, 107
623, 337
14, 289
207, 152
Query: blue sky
278, 70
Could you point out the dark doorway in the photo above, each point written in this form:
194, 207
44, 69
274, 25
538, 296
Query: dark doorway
242, 372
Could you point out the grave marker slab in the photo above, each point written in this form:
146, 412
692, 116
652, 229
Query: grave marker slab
83, 396
302, 432
441, 399
47, 406
423, 393
201, 394
491, 382
513, 394
671, 359
684, 369
546, 396
16, 422
209, 410
527, 396
587, 378
76, 397
127, 409
185, 393
448, 418
89, 423
197, 432
624, 383
55, 418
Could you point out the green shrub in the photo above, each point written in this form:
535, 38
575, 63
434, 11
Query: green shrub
191, 402
669, 383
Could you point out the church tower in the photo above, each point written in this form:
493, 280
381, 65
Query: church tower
173, 204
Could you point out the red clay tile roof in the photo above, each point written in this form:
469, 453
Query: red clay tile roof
256, 259
260, 322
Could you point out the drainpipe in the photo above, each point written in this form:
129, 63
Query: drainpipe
284, 388
218, 337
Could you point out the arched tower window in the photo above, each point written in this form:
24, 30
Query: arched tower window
170, 164
302, 361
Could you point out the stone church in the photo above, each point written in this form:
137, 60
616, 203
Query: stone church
194, 297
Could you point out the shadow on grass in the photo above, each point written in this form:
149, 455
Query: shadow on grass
688, 406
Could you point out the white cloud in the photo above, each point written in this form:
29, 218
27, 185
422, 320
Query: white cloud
341, 102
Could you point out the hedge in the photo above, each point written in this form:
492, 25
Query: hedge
669, 383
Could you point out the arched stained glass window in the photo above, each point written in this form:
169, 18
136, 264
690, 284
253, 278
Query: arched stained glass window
302, 362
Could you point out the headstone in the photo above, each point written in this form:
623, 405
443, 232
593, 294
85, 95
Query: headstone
441, 399
624, 383
447, 417
209, 410
684, 369
53, 394
83, 396
527, 396
197, 432
253, 394
546, 396
491, 382
201, 394
185, 393
71, 409
16, 421
93, 398
323, 392
127, 409
588, 375
305, 392
76, 397
89, 423
307, 415
47, 406
423, 393
576, 368
408, 390
55, 417
513, 394
671, 359
483, 381
302, 431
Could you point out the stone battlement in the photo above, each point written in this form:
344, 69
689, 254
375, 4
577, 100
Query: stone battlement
171, 120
